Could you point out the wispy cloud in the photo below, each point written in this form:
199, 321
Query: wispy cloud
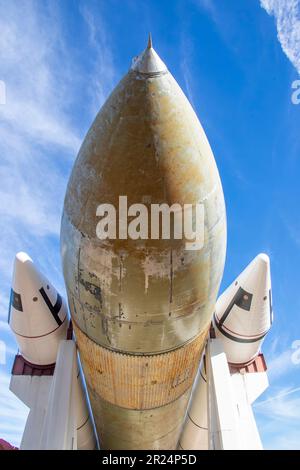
39, 136
37, 91
186, 48
287, 17
51, 99
277, 412
281, 404
102, 60
35, 123
4, 326
280, 365
210, 7
278, 416
12, 413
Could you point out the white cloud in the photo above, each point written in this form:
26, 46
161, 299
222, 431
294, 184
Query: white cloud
51, 98
277, 413
103, 60
4, 326
280, 365
185, 52
288, 441
282, 405
278, 417
287, 17
35, 121
38, 139
210, 7
279, 355
36, 91
13, 413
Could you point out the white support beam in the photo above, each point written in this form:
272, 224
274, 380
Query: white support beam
59, 429
231, 422
33, 391
222, 407
245, 387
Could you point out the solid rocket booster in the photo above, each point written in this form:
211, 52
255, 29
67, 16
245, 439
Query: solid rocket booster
244, 313
37, 313
194, 434
38, 318
242, 319
141, 308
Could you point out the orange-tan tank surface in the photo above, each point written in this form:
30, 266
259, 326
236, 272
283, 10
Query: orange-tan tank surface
141, 307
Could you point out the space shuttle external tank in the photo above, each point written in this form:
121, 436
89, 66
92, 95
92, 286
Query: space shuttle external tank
141, 308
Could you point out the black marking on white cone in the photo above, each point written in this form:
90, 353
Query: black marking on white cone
203, 378
15, 301
198, 425
271, 307
238, 339
54, 309
203, 375
242, 299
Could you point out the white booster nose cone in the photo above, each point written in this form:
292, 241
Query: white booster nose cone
244, 312
37, 313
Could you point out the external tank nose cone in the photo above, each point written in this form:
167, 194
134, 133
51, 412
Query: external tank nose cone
149, 62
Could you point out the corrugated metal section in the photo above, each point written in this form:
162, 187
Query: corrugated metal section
135, 381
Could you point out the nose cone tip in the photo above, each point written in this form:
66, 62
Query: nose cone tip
263, 258
23, 269
257, 274
22, 264
22, 257
261, 263
149, 45
149, 62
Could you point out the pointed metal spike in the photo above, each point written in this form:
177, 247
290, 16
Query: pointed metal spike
149, 45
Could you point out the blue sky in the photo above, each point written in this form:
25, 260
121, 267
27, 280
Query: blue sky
236, 62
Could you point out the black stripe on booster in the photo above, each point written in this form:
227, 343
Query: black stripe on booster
15, 301
271, 307
237, 339
242, 299
54, 309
